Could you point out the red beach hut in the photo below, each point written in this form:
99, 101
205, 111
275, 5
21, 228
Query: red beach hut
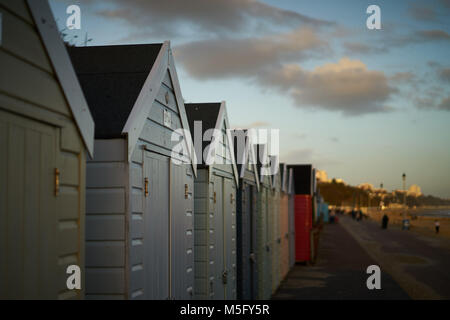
303, 189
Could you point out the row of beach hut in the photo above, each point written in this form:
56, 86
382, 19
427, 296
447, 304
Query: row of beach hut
91, 178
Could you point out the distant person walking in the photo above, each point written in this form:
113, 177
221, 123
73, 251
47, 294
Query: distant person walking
332, 215
359, 215
384, 221
437, 225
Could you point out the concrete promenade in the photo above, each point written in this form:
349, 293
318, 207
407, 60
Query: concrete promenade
412, 265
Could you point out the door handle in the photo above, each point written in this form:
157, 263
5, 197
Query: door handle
146, 186
57, 173
224, 277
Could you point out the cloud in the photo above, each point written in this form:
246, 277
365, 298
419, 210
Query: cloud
444, 74
346, 86
362, 48
403, 77
445, 3
433, 98
422, 13
433, 64
224, 58
334, 139
218, 16
388, 41
299, 136
256, 124
433, 35
298, 156
445, 104
307, 155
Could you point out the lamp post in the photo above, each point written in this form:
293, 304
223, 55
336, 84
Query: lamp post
404, 190
405, 223
382, 196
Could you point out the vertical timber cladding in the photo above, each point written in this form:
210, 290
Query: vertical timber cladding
140, 241
275, 222
264, 265
215, 205
303, 188
291, 195
247, 212
42, 163
284, 221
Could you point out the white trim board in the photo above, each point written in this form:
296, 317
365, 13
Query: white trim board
141, 108
249, 152
62, 65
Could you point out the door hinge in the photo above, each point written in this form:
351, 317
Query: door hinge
57, 173
186, 191
146, 186
214, 197
231, 198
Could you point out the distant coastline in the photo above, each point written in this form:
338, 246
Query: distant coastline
430, 212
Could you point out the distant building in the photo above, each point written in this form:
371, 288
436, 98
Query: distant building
366, 186
380, 192
322, 176
414, 191
339, 180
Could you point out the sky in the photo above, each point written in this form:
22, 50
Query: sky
363, 105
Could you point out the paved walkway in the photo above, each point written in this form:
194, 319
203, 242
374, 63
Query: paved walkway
340, 272
412, 265
419, 263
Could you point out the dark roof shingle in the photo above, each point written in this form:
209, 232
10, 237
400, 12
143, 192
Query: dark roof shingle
112, 78
207, 113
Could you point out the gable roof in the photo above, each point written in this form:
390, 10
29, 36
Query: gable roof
213, 115
303, 175
131, 78
112, 78
207, 113
275, 171
284, 175
261, 148
59, 58
290, 187
248, 155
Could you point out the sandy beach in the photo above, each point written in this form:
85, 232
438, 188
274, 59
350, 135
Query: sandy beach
418, 223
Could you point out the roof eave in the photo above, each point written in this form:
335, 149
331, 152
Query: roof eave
64, 71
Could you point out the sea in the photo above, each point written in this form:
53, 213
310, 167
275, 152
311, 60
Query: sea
444, 213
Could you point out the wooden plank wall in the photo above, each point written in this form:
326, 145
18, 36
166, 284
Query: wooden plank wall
276, 233
182, 277
156, 137
264, 244
106, 208
31, 90
203, 227
291, 231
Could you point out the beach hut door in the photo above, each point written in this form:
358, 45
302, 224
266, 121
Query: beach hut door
156, 220
220, 268
28, 262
